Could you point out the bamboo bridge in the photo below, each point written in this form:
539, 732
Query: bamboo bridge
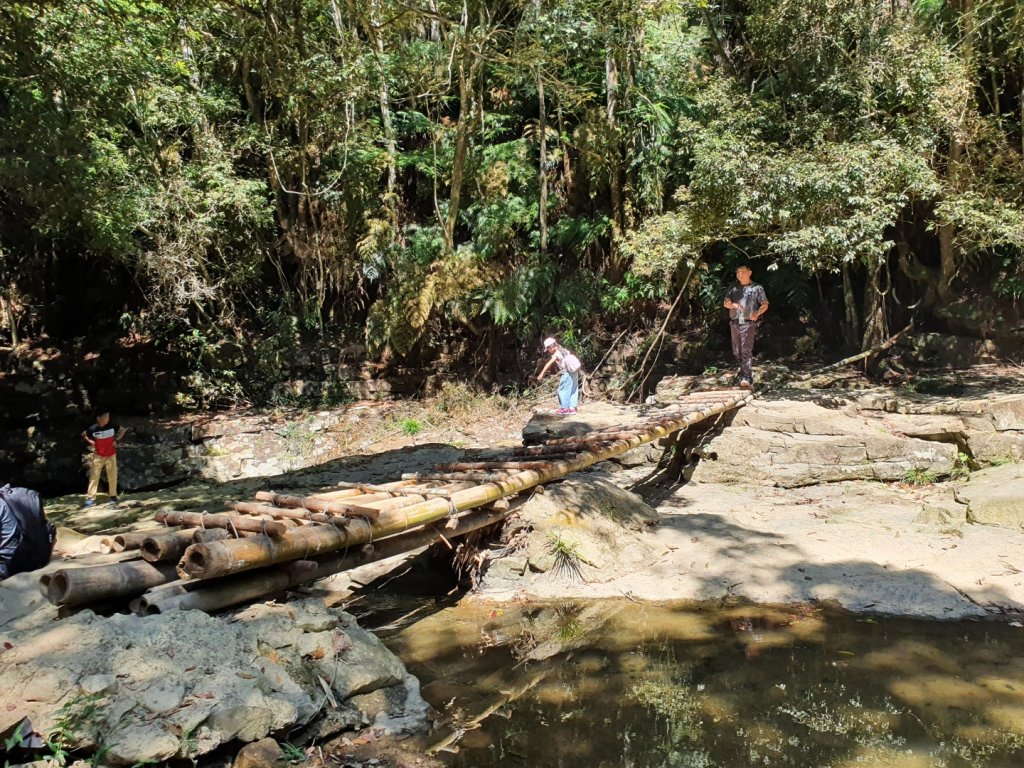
259, 548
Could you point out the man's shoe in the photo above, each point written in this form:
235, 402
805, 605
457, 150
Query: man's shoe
113, 500
89, 503
745, 384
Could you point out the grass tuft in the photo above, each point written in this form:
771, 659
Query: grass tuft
918, 476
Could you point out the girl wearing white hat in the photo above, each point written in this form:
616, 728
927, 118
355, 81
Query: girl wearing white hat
569, 384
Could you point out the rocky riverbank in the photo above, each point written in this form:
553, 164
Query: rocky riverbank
879, 500
180, 685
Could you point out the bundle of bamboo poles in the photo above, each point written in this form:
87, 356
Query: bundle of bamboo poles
211, 561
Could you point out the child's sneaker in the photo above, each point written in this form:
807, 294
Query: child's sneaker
570, 411
563, 411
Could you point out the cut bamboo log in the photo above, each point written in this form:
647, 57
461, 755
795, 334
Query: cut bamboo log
130, 540
221, 558
75, 586
274, 528
216, 534
168, 545
316, 504
224, 593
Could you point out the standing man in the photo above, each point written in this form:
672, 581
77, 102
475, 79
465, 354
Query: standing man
102, 438
746, 303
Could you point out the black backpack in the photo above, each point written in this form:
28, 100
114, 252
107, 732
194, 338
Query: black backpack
37, 533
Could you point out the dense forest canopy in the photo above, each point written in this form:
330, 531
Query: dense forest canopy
395, 172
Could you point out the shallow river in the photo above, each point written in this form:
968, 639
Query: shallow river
614, 683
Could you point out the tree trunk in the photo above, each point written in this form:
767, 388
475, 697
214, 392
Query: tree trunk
611, 70
467, 74
384, 97
876, 328
7, 307
851, 326
542, 174
947, 232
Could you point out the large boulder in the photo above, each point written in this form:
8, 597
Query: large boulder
584, 529
989, 429
181, 684
547, 425
792, 443
995, 496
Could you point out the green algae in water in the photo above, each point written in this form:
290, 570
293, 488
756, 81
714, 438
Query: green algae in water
691, 687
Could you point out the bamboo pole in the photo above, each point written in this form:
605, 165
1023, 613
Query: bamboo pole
469, 477
473, 466
223, 593
274, 528
168, 545
74, 586
318, 505
250, 508
221, 558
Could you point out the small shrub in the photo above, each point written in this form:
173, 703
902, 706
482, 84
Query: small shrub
919, 477
962, 467
998, 461
410, 427
293, 754
568, 557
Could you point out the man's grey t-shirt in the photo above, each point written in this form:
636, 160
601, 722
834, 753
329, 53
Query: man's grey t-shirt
750, 296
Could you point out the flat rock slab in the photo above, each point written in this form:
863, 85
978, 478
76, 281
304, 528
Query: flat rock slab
863, 545
995, 496
547, 425
795, 443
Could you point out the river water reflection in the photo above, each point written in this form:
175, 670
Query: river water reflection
615, 683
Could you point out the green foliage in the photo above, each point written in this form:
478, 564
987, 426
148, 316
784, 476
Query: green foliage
919, 476
660, 245
293, 754
70, 723
377, 169
633, 288
410, 427
567, 555
962, 466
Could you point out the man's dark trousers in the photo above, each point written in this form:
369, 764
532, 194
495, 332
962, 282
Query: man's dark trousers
743, 347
